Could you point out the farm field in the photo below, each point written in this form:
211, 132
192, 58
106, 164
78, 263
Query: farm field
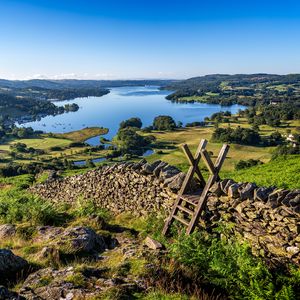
48, 143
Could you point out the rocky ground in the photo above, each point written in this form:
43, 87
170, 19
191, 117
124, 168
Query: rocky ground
75, 263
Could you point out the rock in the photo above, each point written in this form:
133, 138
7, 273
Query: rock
177, 182
233, 191
290, 198
73, 240
152, 244
5, 294
149, 168
7, 230
158, 168
262, 193
10, 264
50, 253
168, 171
247, 191
216, 189
292, 250
295, 201
52, 284
227, 185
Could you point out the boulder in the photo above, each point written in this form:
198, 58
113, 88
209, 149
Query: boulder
6, 294
73, 240
152, 244
10, 265
52, 284
71, 284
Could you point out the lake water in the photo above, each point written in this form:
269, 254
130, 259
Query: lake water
123, 103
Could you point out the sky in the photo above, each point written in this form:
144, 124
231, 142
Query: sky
112, 39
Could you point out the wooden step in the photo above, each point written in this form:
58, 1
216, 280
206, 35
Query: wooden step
191, 199
185, 222
185, 210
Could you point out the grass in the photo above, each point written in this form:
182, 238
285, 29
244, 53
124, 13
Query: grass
47, 141
83, 134
282, 172
43, 143
192, 136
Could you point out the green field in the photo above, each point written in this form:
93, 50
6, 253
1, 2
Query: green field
83, 134
282, 172
47, 141
169, 143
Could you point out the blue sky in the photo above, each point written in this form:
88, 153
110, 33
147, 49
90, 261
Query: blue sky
147, 39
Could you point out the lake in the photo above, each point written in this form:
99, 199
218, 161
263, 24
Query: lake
145, 102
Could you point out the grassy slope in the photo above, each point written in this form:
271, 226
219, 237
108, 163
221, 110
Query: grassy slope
83, 134
281, 172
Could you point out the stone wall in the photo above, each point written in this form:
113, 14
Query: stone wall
138, 188
268, 218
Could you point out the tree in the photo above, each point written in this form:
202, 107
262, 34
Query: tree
132, 122
164, 123
132, 142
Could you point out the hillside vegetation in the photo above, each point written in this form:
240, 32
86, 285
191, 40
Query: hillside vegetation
244, 89
281, 172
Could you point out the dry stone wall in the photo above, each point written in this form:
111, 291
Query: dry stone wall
267, 218
138, 188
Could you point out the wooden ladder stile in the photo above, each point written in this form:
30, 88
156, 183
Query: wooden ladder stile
214, 175
195, 211
194, 168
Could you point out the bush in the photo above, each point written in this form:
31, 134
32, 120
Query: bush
231, 266
17, 206
244, 164
195, 124
164, 123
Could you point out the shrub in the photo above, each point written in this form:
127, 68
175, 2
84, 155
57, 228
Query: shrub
244, 164
17, 206
230, 265
195, 124
164, 123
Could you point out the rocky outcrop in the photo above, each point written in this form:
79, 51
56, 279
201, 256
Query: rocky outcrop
134, 187
70, 283
73, 240
10, 265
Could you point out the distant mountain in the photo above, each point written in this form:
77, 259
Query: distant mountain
237, 79
73, 83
